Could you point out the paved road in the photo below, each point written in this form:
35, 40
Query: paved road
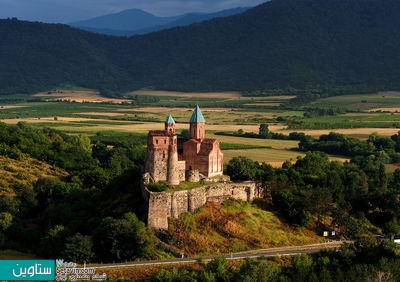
282, 251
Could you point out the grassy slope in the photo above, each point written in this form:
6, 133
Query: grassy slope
234, 226
14, 173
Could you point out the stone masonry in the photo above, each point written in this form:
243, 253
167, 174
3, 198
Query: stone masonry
162, 205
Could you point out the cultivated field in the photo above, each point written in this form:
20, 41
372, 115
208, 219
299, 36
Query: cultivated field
83, 111
79, 96
211, 95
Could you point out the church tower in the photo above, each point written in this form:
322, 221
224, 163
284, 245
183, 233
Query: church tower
172, 166
170, 124
197, 125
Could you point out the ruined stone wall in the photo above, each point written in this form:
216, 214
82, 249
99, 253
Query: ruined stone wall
163, 205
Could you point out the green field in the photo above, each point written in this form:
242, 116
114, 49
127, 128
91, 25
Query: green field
230, 112
362, 102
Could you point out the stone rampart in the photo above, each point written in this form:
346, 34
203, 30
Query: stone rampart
162, 205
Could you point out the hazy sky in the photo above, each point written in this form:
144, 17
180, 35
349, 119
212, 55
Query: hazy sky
64, 11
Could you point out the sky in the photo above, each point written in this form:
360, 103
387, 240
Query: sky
67, 11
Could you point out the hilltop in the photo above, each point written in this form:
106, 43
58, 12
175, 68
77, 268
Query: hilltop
322, 47
136, 21
234, 226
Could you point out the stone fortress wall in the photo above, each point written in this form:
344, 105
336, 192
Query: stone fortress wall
162, 205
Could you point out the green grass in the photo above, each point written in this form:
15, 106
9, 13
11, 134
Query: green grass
262, 143
361, 101
264, 155
234, 146
363, 120
185, 185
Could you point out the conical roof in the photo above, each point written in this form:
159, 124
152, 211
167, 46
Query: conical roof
169, 120
197, 116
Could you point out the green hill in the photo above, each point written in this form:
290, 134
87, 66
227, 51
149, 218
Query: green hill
334, 46
23, 174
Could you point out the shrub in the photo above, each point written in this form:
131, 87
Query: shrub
157, 187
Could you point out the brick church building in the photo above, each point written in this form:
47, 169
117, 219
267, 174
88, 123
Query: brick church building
173, 160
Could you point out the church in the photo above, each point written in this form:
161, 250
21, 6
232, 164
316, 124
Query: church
172, 160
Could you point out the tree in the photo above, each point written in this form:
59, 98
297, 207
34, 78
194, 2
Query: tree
266, 175
382, 143
219, 267
263, 131
314, 163
254, 271
175, 275
83, 142
185, 134
306, 142
242, 168
52, 244
383, 179
395, 183
124, 238
293, 207
78, 249
5, 220
302, 266
320, 203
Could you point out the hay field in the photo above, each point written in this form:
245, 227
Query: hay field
361, 133
219, 95
79, 96
389, 110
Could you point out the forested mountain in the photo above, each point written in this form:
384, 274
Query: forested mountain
136, 21
334, 45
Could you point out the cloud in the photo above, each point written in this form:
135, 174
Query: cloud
73, 10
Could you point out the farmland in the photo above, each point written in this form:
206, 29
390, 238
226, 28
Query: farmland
83, 111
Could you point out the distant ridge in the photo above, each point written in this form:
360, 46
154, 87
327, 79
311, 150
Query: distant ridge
303, 47
136, 21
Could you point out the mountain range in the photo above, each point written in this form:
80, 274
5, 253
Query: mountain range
136, 21
330, 46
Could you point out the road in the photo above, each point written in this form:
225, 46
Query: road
271, 252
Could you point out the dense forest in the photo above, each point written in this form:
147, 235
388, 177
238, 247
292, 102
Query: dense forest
359, 262
94, 211
289, 46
